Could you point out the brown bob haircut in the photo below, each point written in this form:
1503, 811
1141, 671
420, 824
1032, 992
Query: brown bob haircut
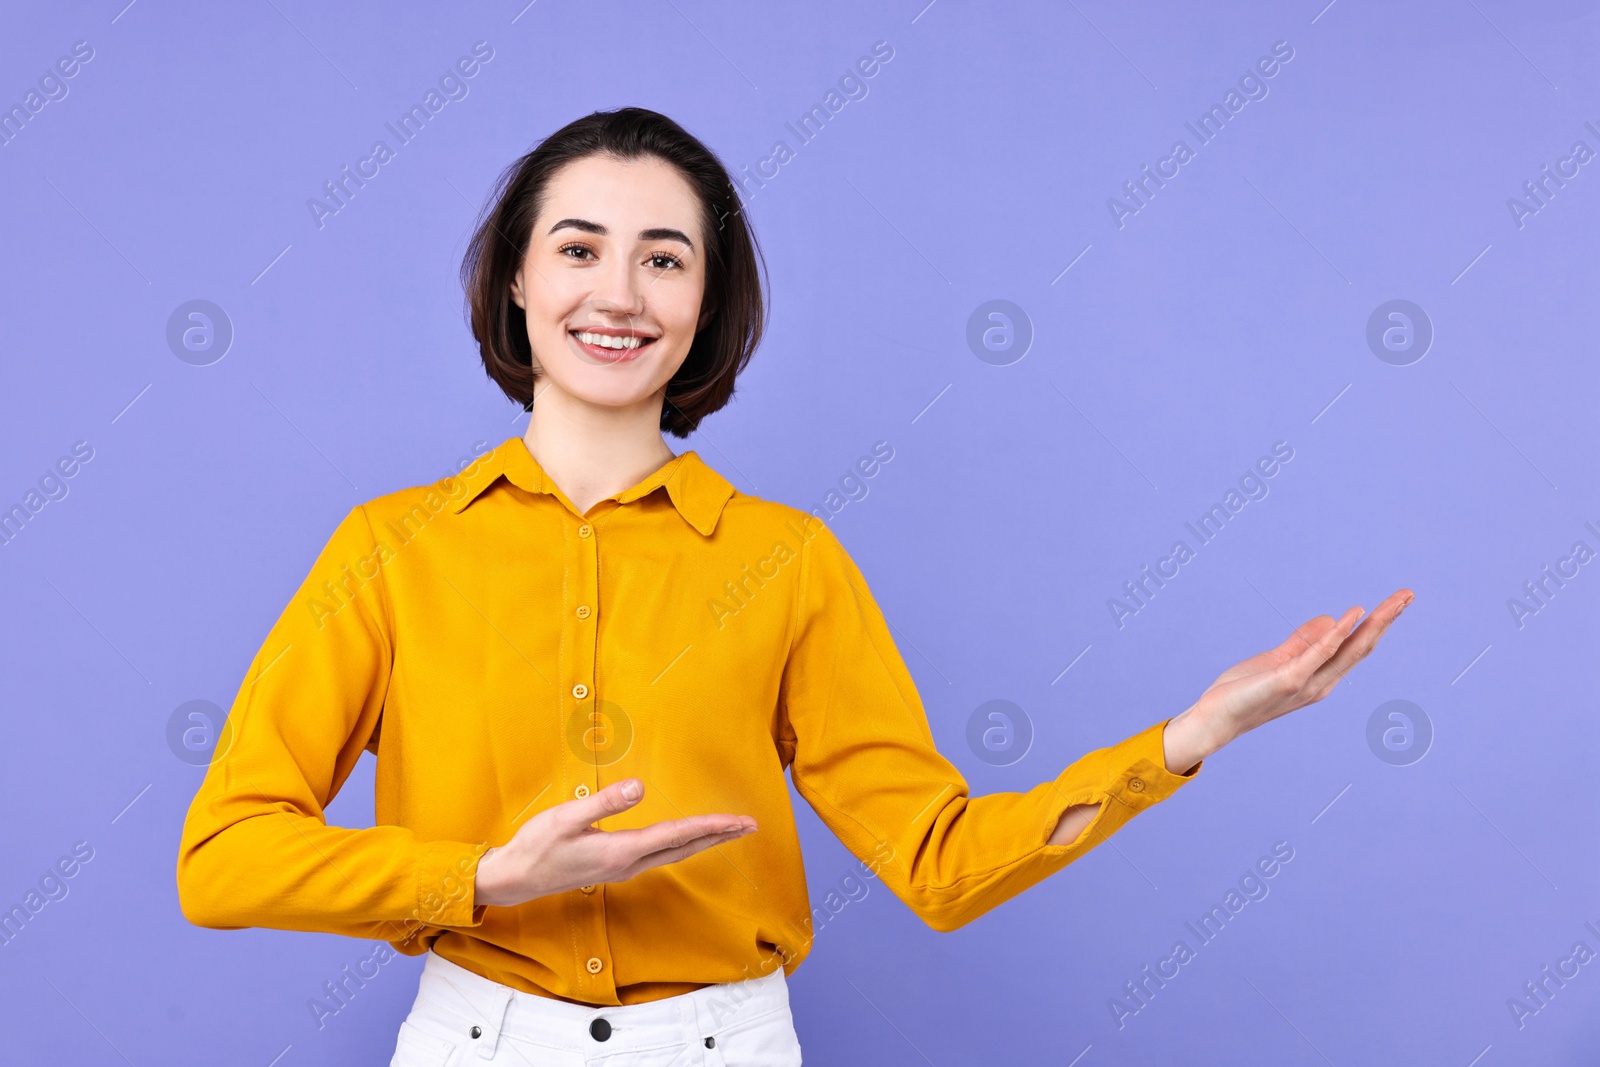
733, 294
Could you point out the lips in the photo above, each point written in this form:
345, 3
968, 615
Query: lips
601, 354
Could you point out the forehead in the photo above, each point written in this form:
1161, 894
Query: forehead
624, 196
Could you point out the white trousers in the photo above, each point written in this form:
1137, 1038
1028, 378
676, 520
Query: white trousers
461, 1019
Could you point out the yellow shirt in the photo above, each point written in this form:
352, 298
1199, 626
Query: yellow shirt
500, 652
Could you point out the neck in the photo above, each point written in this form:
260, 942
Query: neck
592, 451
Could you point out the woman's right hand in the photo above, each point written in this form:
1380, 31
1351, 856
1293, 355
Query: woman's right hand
561, 849
1301, 671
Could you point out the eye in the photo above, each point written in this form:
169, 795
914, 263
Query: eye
672, 260
580, 247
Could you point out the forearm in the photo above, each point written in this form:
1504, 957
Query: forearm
293, 872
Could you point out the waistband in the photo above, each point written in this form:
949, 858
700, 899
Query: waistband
464, 999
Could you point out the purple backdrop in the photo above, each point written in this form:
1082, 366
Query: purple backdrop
1376, 256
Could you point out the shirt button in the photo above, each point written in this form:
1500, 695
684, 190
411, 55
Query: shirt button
587, 888
585, 530
581, 792
580, 690
583, 611
594, 965
1136, 784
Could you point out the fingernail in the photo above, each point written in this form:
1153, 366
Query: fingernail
632, 790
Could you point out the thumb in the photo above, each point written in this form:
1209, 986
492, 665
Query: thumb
613, 799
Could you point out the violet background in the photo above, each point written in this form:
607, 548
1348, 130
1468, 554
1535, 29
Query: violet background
1228, 314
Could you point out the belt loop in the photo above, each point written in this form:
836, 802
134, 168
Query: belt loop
495, 1015
692, 1021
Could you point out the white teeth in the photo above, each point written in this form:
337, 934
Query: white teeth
607, 341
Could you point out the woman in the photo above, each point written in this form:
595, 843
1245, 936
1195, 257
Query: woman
586, 661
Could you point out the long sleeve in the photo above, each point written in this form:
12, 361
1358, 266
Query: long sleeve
256, 849
864, 758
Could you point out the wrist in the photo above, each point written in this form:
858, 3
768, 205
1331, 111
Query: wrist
486, 882
1189, 738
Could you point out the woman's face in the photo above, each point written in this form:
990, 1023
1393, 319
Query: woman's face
615, 258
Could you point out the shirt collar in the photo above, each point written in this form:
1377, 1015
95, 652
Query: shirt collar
696, 490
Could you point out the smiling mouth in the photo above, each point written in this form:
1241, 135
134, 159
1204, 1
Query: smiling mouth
610, 348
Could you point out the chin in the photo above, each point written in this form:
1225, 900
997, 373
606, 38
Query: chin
610, 394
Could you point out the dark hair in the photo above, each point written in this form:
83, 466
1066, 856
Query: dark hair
733, 292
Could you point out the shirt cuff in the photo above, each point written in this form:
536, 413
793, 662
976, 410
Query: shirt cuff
1140, 777
447, 873
1132, 773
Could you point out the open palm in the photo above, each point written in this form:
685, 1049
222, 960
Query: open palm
1301, 671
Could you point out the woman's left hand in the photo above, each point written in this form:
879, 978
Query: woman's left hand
1301, 671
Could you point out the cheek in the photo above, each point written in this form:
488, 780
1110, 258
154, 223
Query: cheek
547, 312
547, 306
680, 314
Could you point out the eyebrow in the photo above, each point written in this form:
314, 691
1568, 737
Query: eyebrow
658, 233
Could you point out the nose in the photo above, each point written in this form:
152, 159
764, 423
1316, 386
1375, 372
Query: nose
619, 289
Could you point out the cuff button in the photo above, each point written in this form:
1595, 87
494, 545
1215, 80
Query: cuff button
1136, 784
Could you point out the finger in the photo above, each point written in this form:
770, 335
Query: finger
681, 852
1293, 645
1362, 641
1388, 611
614, 798
1373, 626
676, 833
1305, 636
1303, 639
1307, 663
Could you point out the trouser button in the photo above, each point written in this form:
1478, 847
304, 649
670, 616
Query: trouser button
711, 1042
600, 1030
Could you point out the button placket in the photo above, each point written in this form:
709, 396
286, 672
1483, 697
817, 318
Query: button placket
583, 691
582, 698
